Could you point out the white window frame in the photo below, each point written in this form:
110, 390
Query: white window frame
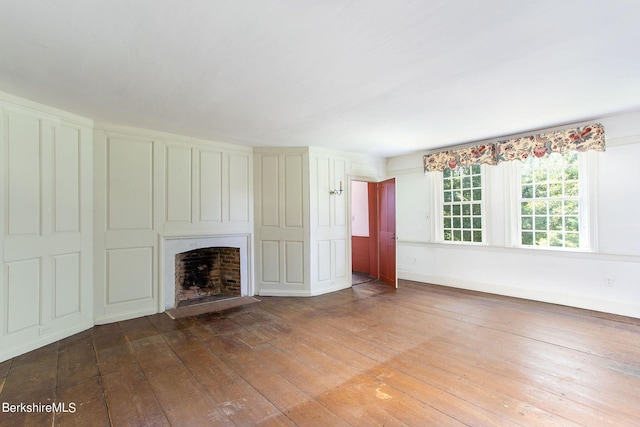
437, 190
587, 164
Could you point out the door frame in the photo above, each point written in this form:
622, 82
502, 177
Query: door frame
372, 227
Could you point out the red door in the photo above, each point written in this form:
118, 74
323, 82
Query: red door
387, 231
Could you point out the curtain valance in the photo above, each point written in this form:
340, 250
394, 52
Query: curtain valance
452, 159
577, 139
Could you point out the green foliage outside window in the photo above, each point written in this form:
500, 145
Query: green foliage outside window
462, 204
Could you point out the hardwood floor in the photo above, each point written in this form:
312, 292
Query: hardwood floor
370, 355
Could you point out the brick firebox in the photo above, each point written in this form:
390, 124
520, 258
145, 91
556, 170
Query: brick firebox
207, 272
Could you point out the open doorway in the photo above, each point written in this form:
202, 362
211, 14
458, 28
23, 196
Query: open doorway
364, 232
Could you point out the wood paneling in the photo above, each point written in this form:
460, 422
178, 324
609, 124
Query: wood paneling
239, 193
129, 274
66, 284
210, 186
130, 184
178, 183
293, 208
23, 294
23, 174
294, 259
66, 194
270, 191
46, 215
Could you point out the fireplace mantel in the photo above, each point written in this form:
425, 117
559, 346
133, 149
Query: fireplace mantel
173, 245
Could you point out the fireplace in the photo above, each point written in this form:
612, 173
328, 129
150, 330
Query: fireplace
201, 269
207, 274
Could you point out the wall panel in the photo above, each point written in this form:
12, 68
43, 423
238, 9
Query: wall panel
66, 284
270, 255
270, 191
210, 170
66, 193
294, 259
238, 182
23, 295
24, 167
129, 274
324, 260
323, 179
178, 184
294, 210
129, 184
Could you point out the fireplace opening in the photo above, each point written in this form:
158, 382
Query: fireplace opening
207, 274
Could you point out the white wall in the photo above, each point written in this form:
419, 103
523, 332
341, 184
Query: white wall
151, 185
607, 279
46, 217
359, 208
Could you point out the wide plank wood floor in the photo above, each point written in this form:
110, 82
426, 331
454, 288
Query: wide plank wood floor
366, 356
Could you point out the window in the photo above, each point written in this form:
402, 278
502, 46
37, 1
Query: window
462, 204
552, 206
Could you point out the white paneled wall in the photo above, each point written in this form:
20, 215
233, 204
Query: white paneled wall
46, 216
330, 242
149, 185
282, 222
302, 233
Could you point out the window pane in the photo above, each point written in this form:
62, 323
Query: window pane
571, 189
555, 223
572, 240
477, 222
541, 223
446, 173
541, 190
477, 236
461, 218
549, 201
555, 240
541, 239
571, 223
540, 208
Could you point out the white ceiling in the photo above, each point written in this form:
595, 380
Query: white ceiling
381, 76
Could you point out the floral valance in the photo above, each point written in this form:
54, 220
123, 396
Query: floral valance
578, 139
452, 159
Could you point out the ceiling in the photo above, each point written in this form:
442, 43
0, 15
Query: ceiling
377, 76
